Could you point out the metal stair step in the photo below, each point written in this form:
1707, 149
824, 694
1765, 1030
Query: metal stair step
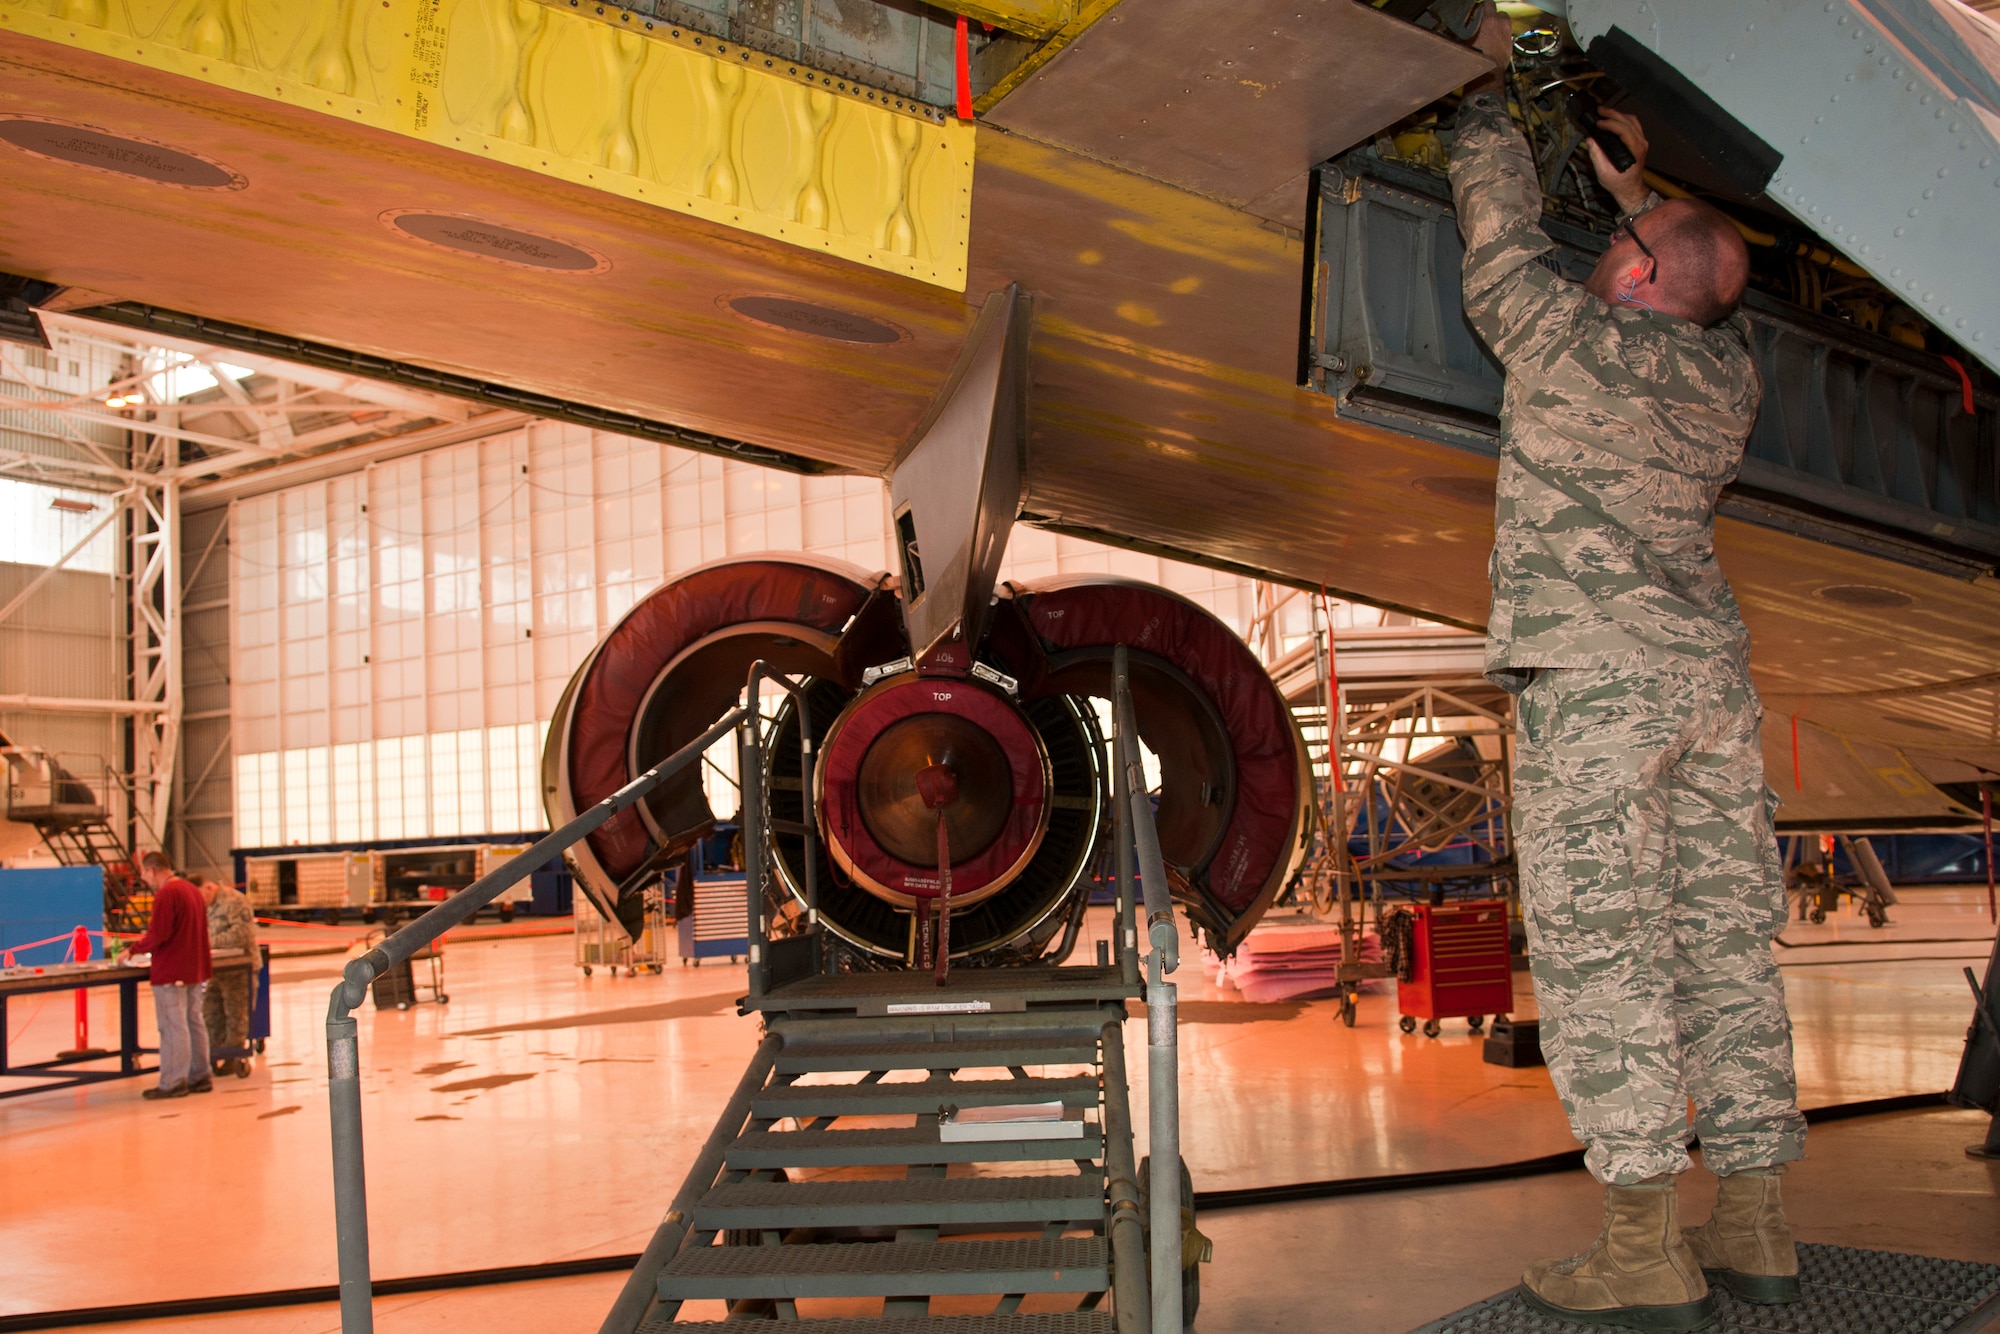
920, 1096
936, 1055
877, 1148
1059, 1322
886, 1269
908, 1202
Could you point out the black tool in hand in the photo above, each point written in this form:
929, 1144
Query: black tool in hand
1583, 113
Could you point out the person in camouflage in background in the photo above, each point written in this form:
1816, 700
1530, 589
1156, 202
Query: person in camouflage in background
1650, 876
232, 925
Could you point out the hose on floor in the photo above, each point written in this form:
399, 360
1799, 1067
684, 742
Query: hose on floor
1244, 1197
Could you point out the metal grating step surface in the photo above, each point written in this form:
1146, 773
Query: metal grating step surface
878, 1148
1847, 1291
934, 1055
920, 1096
911, 1202
886, 1269
972, 991
1063, 1322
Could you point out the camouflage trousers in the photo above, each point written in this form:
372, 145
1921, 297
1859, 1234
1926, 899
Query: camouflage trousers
1652, 889
226, 1008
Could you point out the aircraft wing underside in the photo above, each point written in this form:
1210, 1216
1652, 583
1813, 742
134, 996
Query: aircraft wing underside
667, 224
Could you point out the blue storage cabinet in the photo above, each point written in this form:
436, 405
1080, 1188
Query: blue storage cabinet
718, 928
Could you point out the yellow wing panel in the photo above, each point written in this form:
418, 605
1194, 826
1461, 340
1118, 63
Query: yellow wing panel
638, 109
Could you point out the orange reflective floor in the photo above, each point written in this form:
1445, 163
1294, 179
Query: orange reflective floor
542, 1115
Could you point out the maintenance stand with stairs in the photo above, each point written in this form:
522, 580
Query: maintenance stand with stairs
828, 1211
74, 822
802, 1194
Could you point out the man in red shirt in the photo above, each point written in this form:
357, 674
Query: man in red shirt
177, 938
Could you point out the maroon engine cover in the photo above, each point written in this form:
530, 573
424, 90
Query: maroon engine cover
1258, 844
979, 871
800, 590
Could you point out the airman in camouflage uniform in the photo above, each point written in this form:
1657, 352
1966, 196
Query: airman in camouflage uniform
232, 925
1650, 876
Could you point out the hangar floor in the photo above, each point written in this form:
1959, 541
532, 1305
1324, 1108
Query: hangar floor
544, 1116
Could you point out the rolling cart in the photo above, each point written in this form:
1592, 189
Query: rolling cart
1457, 965
604, 944
423, 971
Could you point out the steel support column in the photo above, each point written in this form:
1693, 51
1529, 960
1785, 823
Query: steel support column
156, 652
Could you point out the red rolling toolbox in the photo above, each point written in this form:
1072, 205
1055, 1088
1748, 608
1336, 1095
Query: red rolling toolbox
1460, 965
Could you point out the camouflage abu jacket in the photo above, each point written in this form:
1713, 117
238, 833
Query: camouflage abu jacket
232, 923
1618, 429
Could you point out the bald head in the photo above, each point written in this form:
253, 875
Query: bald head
1702, 263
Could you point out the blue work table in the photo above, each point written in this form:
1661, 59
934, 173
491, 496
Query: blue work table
66, 1071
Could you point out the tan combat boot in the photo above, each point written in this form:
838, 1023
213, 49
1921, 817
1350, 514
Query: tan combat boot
1638, 1274
1746, 1245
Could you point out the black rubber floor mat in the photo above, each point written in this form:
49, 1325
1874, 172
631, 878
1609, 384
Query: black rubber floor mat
1847, 1291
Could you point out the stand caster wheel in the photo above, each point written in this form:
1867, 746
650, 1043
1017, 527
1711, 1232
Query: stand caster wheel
1407, 1024
1818, 916
1432, 1028
506, 912
1476, 1023
586, 970
402, 1005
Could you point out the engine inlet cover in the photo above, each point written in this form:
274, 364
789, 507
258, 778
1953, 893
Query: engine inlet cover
912, 750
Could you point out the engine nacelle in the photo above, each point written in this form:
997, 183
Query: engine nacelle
993, 767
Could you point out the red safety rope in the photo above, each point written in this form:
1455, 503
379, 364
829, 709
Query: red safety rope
7, 955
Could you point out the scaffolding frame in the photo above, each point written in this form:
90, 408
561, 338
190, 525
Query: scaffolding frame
1413, 762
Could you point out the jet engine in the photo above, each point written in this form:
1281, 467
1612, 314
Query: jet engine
988, 759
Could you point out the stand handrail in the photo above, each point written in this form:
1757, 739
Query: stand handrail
1162, 1013
750, 784
343, 1053
1130, 1305
1153, 885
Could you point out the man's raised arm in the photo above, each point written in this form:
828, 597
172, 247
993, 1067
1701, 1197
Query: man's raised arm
1514, 303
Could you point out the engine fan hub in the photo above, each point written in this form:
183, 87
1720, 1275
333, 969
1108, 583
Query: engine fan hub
911, 751
933, 766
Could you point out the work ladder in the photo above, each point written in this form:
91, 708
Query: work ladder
128, 905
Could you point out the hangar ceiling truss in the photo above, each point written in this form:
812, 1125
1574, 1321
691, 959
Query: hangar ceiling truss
150, 425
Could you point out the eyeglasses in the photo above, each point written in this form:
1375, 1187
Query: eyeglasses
1652, 260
